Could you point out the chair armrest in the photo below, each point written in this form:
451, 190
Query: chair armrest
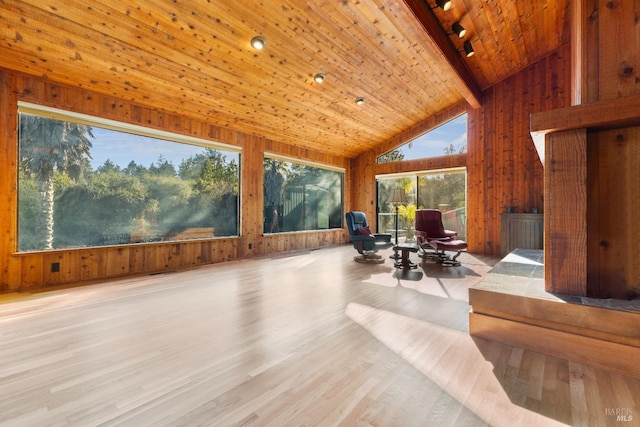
450, 233
382, 237
363, 242
362, 238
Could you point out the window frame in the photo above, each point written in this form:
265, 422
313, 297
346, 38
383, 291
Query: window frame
317, 165
132, 129
414, 196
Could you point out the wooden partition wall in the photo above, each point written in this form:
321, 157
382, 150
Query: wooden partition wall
503, 168
33, 270
598, 236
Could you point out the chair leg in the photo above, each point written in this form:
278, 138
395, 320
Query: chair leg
452, 262
440, 257
427, 252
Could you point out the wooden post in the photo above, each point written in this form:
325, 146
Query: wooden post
565, 244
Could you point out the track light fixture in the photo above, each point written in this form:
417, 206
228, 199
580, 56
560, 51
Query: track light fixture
468, 49
319, 78
444, 4
258, 42
458, 30
360, 100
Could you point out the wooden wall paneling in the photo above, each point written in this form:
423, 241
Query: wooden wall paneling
89, 264
504, 148
433, 163
199, 253
516, 189
209, 252
63, 262
170, 254
296, 241
481, 191
363, 191
502, 165
30, 271
614, 235
477, 234
632, 195
110, 108
525, 157
180, 254
566, 212
537, 177
592, 56
9, 267
271, 244
233, 249
152, 258
72, 271
526, 153
138, 258
190, 253
578, 14
31, 275
117, 261
593, 219
252, 197
618, 49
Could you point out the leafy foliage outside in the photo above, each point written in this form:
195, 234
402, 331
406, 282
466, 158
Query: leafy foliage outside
443, 191
65, 203
299, 197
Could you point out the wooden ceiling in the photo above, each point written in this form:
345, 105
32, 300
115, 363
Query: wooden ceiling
193, 57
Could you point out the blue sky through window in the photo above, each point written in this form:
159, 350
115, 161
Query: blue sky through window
121, 148
437, 141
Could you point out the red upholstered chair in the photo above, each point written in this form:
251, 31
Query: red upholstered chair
434, 239
429, 226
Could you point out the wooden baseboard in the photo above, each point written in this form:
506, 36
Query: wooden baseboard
596, 322
588, 350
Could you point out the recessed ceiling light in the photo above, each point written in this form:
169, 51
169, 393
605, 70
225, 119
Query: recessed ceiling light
360, 100
319, 78
258, 42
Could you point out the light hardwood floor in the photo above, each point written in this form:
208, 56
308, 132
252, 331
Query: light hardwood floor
310, 339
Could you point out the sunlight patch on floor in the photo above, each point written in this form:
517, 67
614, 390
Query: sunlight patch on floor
450, 359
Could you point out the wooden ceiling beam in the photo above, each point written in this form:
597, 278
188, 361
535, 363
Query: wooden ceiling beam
464, 81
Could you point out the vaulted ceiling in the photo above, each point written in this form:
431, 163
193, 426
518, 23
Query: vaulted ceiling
194, 58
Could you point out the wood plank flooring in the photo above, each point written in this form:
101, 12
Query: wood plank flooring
309, 339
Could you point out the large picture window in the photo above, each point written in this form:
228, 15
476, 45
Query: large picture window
300, 196
90, 182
